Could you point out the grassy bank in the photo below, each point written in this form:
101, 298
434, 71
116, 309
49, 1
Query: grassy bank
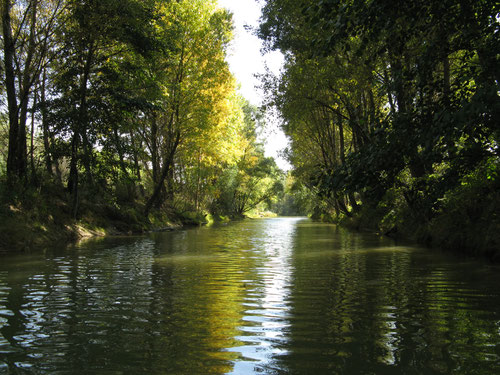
31, 218
39, 217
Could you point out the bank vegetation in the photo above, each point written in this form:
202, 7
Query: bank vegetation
393, 112
122, 116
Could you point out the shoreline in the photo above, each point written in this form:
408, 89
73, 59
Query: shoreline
427, 237
25, 230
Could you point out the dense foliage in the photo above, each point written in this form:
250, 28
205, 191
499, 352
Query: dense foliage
127, 107
393, 111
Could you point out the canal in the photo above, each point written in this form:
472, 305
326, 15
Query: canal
270, 296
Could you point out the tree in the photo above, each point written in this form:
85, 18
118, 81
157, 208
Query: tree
412, 88
26, 29
196, 79
252, 180
97, 36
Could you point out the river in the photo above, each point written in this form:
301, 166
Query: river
270, 296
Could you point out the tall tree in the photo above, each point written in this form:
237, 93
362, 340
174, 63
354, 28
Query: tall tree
414, 84
27, 28
196, 77
95, 36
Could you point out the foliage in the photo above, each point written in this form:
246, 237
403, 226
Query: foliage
254, 180
129, 110
468, 214
388, 107
297, 199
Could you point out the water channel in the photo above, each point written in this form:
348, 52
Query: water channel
270, 296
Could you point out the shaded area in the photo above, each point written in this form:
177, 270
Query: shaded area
392, 112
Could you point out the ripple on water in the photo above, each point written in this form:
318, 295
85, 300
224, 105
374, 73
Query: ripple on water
263, 296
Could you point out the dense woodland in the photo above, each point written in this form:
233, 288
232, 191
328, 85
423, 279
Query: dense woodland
393, 110
125, 112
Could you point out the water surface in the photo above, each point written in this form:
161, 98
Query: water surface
273, 296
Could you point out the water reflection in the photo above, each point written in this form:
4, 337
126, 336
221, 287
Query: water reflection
266, 296
266, 321
388, 310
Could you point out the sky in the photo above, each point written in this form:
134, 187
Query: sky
245, 60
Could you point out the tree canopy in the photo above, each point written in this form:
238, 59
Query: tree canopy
127, 104
390, 107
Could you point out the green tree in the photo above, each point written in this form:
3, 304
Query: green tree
195, 79
26, 30
413, 86
252, 180
95, 38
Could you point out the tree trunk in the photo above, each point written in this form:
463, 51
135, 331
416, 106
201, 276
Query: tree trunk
343, 207
341, 139
79, 129
82, 123
25, 84
32, 143
135, 156
119, 150
446, 80
73, 175
167, 166
352, 201
389, 93
154, 149
198, 182
45, 126
399, 85
14, 156
87, 157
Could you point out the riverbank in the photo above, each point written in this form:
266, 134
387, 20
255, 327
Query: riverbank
39, 218
24, 228
465, 227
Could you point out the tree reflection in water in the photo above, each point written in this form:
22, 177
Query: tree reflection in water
270, 296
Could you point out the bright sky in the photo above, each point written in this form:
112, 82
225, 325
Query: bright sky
245, 60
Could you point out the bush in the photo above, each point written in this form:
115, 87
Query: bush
468, 218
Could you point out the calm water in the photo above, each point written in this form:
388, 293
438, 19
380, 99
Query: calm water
274, 296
